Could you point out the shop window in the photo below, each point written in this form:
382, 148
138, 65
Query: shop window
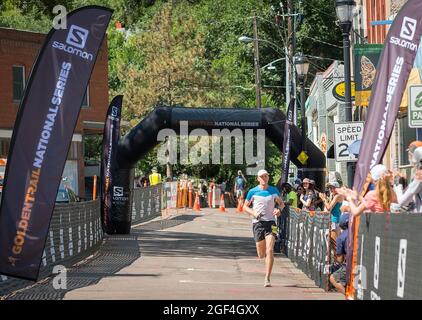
406, 136
4, 147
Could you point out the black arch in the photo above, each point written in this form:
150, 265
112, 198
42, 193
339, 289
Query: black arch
143, 138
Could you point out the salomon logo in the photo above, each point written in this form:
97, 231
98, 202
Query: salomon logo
408, 28
77, 37
118, 191
114, 111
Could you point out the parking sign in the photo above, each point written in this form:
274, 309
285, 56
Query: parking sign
415, 106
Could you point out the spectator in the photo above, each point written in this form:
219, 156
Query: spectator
154, 177
299, 192
411, 149
144, 180
333, 204
378, 200
223, 187
239, 185
289, 196
308, 197
338, 270
411, 200
318, 203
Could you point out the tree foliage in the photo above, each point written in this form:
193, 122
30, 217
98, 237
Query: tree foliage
187, 52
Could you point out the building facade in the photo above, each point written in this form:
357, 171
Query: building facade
371, 24
18, 52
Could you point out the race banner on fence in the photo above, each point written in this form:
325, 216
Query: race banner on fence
111, 137
287, 141
394, 67
42, 135
389, 257
308, 246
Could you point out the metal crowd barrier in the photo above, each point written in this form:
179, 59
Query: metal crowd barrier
75, 233
389, 258
305, 241
146, 203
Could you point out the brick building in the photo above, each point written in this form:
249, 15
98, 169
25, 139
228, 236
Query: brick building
18, 51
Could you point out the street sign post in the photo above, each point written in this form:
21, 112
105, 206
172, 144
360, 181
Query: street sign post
415, 106
345, 134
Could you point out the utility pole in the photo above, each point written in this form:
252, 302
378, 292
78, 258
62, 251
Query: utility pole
256, 61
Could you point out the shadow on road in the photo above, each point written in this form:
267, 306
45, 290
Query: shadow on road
116, 253
155, 241
150, 239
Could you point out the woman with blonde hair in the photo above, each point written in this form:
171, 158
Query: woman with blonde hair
378, 200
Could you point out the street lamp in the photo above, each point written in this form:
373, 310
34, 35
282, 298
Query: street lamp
302, 67
344, 9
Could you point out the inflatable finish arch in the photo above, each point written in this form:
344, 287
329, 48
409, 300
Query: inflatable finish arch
143, 138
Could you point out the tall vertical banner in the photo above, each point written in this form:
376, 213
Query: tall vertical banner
287, 140
110, 139
42, 135
395, 64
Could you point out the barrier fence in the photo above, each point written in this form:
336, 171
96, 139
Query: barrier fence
305, 241
147, 203
389, 258
75, 233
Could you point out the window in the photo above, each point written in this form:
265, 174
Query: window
18, 82
4, 147
406, 136
85, 101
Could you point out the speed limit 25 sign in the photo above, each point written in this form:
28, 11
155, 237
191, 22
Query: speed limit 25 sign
347, 137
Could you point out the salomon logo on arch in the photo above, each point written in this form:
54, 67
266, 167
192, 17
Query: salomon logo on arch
77, 36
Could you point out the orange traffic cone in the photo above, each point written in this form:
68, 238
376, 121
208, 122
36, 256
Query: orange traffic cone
196, 206
240, 205
222, 207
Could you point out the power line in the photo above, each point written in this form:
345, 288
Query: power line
324, 42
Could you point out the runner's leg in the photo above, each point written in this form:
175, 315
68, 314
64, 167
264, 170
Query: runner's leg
269, 259
260, 249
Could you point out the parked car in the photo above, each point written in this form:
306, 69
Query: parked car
66, 195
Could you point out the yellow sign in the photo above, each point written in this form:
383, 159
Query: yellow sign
302, 157
339, 90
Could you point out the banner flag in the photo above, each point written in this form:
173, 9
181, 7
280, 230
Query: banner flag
394, 67
366, 59
110, 139
42, 136
287, 140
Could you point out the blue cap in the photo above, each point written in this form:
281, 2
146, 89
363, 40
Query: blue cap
344, 219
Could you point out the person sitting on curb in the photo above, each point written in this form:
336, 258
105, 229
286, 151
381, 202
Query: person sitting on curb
338, 276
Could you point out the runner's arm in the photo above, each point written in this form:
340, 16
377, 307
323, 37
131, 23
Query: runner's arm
248, 209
